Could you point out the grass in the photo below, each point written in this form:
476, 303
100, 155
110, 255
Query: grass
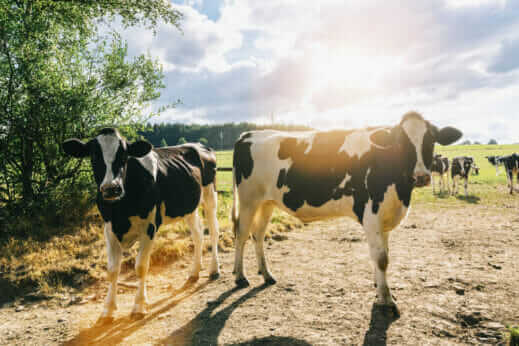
75, 258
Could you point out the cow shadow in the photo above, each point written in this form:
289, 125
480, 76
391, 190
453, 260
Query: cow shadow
381, 320
442, 194
116, 331
469, 199
206, 327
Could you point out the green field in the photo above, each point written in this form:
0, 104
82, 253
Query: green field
486, 188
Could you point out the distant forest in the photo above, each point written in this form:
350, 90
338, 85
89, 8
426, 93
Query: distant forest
218, 137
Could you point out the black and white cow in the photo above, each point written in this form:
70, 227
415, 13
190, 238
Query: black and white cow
141, 188
366, 174
440, 168
461, 167
511, 164
495, 161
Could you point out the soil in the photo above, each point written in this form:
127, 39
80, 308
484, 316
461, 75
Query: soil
453, 271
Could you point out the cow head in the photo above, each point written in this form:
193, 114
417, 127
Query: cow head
415, 138
108, 154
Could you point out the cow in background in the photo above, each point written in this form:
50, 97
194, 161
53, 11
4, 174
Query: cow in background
495, 161
461, 167
511, 164
440, 168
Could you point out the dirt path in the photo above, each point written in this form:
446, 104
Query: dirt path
455, 273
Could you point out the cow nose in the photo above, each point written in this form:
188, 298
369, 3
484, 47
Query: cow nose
422, 180
111, 190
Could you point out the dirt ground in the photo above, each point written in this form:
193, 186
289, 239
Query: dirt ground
453, 271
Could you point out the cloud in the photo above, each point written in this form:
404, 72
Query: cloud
339, 64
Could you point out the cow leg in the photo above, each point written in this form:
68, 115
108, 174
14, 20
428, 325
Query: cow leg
114, 252
433, 185
142, 265
510, 177
454, 185
193, 221
260, 227
242, 231
466, 184
379, 251
210, 209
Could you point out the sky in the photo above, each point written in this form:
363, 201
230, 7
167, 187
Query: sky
341, 64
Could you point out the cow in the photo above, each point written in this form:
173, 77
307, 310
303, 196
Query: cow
461, 167
511, 164
440, 168
475, 169
495, 161
366, 174
140, 188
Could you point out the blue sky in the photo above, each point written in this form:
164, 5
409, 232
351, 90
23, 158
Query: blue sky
337, 64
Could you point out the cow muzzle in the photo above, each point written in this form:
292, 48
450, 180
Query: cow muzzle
111, 191
422, 180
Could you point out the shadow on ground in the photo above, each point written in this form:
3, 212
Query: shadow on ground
206, 327
381, 320
469, 199
115, 332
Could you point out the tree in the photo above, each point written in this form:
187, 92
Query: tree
60, 78
492, 142
181, 140
466, 142
203, 140
163, 143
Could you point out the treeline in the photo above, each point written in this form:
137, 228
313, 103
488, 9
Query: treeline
218, 137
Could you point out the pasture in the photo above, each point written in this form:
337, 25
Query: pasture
453, 269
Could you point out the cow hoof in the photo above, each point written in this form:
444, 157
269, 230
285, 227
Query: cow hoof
214, 276
270, 281
101, 321
389, 309
242, 283
136, 316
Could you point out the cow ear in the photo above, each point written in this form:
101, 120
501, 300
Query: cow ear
382, 138
139, 148
76, 148
448, 135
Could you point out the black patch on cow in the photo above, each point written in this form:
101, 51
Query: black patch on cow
428, 148
242, 159
315, 177
281, 178
151, 230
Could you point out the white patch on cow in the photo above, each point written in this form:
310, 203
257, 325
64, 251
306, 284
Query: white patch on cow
346, 179
462, 164
357, 143
109, 146
150, 162
416, 130
308, 140
138, 229
392, 209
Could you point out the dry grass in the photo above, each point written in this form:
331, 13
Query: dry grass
70, 262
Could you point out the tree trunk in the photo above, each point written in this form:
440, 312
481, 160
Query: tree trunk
27, 170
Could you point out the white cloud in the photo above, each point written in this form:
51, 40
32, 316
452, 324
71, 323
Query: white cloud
332, 63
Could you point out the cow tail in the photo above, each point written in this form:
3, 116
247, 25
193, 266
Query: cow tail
235, 216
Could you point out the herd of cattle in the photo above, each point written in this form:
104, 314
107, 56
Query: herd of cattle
367, 174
